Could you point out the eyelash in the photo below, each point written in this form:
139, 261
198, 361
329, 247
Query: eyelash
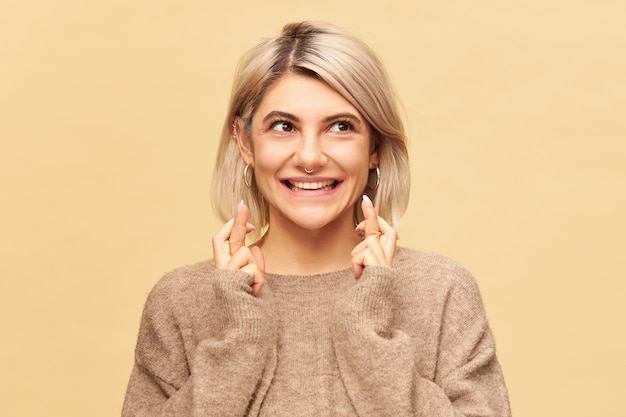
277, 122
348, 124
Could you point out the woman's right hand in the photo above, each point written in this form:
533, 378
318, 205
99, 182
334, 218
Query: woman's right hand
230, 250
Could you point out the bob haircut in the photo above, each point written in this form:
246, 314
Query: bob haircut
348, 66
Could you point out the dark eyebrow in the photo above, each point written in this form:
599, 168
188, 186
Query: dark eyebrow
281, 114
276, 114
350, 116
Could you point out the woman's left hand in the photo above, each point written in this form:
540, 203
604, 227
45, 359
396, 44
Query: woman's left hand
379, 244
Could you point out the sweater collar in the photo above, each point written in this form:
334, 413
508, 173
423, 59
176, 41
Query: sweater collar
310, 283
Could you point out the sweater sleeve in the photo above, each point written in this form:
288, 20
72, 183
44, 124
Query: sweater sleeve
222, 373
379, 364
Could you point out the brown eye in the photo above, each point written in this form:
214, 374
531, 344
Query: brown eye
282, 126
341, 127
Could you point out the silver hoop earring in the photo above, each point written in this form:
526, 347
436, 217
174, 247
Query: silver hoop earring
375, 186
245, 176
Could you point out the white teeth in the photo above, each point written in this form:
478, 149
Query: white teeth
320, 185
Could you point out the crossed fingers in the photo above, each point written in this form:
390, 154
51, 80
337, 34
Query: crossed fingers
379, 241
230, 250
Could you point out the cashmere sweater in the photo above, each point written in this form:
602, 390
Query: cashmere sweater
411, 340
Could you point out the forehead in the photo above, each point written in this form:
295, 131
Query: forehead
303, 95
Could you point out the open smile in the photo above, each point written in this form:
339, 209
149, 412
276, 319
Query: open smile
311, 185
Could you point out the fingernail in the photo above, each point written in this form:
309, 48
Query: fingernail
240, 205
250, 226
358, 226
367, 199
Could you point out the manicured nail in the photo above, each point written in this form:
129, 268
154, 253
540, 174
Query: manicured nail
250, 226
240, 205
367, 199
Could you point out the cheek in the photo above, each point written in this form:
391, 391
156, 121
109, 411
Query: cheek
263, 151
359, 161
265, 159
267, 163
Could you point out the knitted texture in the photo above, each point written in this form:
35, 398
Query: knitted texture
411, 340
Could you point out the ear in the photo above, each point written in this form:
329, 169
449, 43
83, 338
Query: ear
243, 142
374, 160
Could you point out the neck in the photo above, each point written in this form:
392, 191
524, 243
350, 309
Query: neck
297, 251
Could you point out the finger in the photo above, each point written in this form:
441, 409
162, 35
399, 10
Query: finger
360, 247
258, 279
367, 257
221, 243
370, 224
367, 242
388, 240
251, 262
357, 258
372, 253
364, 259
375, 253
239, 230
357, 265
221, 249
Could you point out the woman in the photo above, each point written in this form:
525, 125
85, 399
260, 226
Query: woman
322, 315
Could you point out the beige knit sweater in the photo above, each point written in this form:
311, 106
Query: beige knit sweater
407, 341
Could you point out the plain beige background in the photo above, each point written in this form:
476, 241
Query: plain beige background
109, 117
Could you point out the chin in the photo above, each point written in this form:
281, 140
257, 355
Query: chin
311, 222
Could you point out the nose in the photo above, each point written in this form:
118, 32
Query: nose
309, 152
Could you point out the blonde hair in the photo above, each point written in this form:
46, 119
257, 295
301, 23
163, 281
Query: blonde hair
348, 66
